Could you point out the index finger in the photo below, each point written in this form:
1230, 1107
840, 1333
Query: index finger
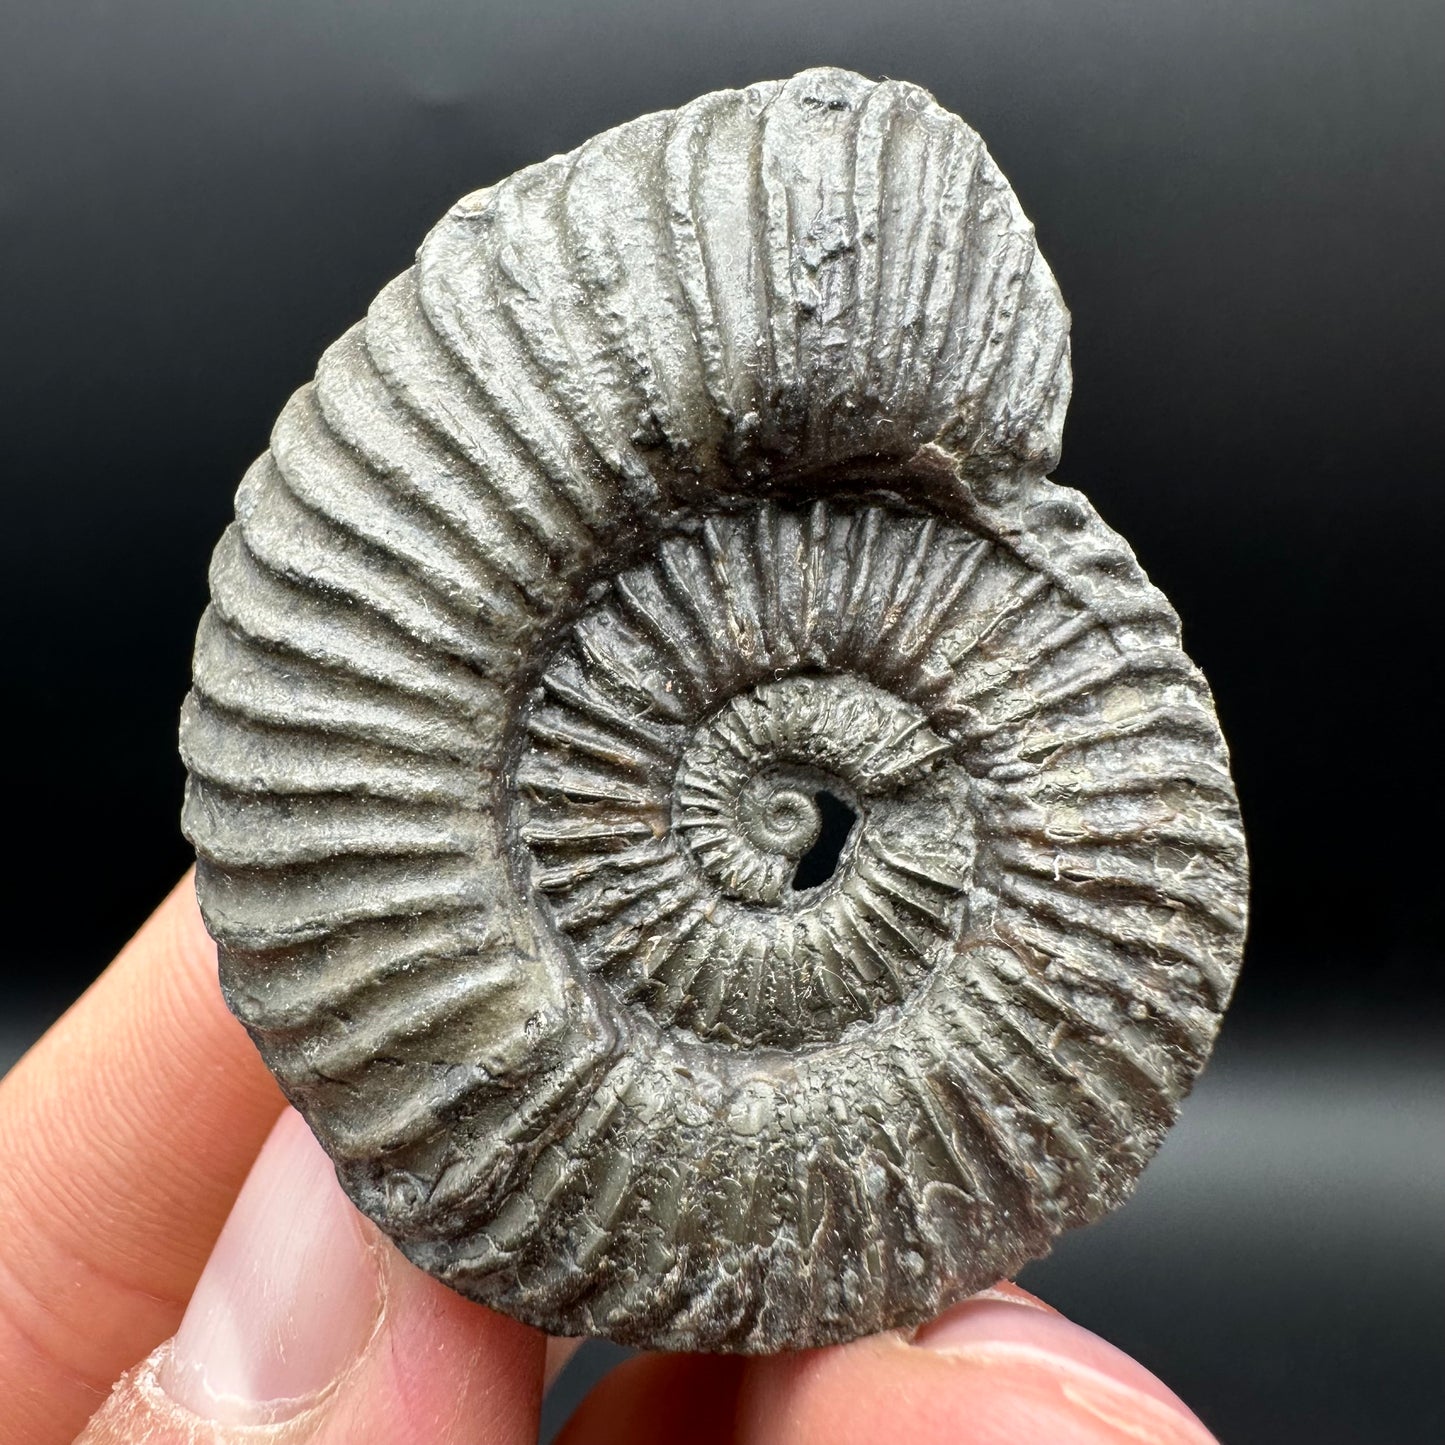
126, 1133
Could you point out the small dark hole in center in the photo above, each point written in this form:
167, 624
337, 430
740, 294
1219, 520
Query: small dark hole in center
820, 862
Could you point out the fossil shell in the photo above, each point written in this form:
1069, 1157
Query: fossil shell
687, 485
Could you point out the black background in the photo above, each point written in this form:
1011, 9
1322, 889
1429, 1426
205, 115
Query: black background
1242, 201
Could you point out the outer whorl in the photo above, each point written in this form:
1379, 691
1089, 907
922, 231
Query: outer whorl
687, 485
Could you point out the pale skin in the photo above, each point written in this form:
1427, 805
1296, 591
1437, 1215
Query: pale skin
133, 1309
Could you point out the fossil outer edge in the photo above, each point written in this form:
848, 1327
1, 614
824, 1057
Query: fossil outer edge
684, 479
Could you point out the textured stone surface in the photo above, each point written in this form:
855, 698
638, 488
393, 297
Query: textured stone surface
687, 487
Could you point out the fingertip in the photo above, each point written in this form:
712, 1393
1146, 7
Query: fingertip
449, 1370
559, 1354
308, 1325
996, 1369
1005, 1290
126, 1132
992, 1325
289, 1298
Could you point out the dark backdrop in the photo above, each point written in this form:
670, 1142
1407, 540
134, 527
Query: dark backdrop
1242, 201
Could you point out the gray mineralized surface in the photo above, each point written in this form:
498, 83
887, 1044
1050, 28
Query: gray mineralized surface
691, 489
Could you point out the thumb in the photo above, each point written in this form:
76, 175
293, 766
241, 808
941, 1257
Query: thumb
999, 1369
308, 1326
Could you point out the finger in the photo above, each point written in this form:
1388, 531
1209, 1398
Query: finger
308, 1326
660, 1400
664, 1398
1000, 1369
559, 1352
126, 1133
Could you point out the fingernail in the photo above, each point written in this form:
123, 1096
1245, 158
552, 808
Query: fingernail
288, 1299
1095, 1376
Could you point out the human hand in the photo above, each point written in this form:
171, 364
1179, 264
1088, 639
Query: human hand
129, 1130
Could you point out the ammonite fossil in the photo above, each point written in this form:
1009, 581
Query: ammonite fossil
689, 493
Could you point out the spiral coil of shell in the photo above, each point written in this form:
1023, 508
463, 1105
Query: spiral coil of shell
683, 480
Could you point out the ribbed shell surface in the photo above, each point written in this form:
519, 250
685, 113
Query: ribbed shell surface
683, 480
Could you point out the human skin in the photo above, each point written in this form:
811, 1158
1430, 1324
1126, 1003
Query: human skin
178, 1264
